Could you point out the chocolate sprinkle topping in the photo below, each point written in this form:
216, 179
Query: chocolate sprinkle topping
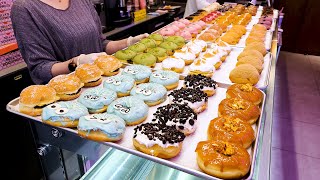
188, 94
160, 131
199, 82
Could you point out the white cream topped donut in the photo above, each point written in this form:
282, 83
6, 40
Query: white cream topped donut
193, 47
179, 115
173, 64
201, 43
201, 66
194, 98
158, 140
185, 54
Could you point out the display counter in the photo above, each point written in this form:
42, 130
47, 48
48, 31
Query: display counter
65, 154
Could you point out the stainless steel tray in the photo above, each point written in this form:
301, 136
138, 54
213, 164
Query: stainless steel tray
186, 160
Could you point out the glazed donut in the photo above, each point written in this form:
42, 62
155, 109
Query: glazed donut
97, 99
33, 98
63, 114
194, 98
89, 74
139, 73
67, 86
245, 91
222, 159
239, 108
202, 83
101, 127
122, 84
231, 130
109, 65
158, 140
168, 79
179, 115
151, 93
131, 109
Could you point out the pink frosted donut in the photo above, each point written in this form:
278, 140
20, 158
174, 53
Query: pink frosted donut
185, 21
179, 24
196, 26
174, 28
202, 24
167, 32
185, 34
192, 30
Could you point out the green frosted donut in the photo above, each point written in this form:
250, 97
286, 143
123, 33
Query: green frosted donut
146, 59
139, 47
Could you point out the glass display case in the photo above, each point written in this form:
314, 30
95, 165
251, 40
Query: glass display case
65, 155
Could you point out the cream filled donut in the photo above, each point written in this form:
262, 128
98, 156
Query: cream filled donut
194, 98
168, 79
131, 109
101, 127
151, 93
122, 84
158, 140
97, 99
173, 64
179, 115
186, 55
202, 83
139, 73
63, 114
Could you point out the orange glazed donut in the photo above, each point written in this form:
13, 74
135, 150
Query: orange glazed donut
245, 91
239, 108
222, 159
231, 130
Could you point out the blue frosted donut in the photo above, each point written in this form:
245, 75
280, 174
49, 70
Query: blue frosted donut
111, 126
97, 99
131, 109
151, 93
138, 72
122, 84
65, 114
164, 77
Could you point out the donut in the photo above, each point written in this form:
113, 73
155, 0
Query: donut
168, 79
222, 159
97, 99
110, 65
158, 52
252, 53
231, 130
251, 56
201, 66
253, 61
212, 59
67, 86
239, 108
178, 40
89, 74
131, 109
192, 47
158, 140
188, 56
202, 44
151, 93
259, 46
138, 47
245, 91
202, 83
169, 46
121, 84
150, 43
179, 115
145, 59
63, 114
101, 127
173, 64
125, 55
139, 73
35, 97
157, 37
244, 74
194, 98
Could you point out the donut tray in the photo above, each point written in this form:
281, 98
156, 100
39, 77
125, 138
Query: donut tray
186, 160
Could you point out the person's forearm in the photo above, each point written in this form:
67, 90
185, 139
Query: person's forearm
114, 46
60, 68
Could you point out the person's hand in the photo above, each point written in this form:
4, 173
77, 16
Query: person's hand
132, 40
88, 58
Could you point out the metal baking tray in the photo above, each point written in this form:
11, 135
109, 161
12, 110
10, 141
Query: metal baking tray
186, 160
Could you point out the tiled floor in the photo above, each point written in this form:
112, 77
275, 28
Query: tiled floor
296, 125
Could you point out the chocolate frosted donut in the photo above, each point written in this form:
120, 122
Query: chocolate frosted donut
179, 115
202, 83
158, 140
194, 98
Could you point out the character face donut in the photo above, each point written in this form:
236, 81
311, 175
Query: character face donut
119, 83
131, 109
111, 126
138, 72
97, 98
165, 77
64, 112
179, 115
150, 93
